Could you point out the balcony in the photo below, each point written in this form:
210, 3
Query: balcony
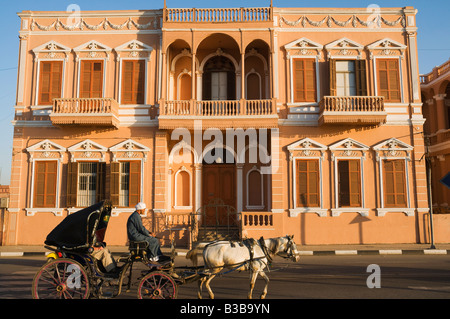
354, 110
218, 114
217, 15
85, 111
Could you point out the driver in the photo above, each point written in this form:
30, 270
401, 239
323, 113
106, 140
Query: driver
137, 232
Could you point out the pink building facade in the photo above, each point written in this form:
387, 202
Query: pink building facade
262, 121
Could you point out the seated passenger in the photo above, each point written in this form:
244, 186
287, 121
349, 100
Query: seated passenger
137, 232
103, 254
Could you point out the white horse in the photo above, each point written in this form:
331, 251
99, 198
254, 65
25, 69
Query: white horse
253, 256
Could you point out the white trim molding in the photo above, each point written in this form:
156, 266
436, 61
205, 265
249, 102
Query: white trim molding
306, 149
389, 150
342, 150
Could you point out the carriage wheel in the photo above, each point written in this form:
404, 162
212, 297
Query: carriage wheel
61, 279
157, 285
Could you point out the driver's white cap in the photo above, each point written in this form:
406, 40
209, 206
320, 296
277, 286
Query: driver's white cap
140, 206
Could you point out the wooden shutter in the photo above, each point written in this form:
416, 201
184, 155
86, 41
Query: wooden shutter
304, 77
45, 184
361, 79
72, 183
114, 183
307, 183
389, 80
91, 80
100, 182
50, 82
135, 183
133, 82
333, 89
349, 179
394, 183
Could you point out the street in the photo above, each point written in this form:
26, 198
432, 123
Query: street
313, 277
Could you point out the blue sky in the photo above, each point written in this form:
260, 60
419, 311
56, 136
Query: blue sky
432, 20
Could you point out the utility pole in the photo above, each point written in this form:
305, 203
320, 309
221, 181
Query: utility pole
430, 198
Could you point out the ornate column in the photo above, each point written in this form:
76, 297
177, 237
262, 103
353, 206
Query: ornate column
198, 186
440, 111
239, 188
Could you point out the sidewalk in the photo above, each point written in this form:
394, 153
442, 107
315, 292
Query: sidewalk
304, 250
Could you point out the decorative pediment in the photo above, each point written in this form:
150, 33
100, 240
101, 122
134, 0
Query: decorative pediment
134, 48
344, 47
92, 49
51, 50
386, 47
46, 149
129, 149
306, 147
348, 147
303, 46
393, 148
87, 150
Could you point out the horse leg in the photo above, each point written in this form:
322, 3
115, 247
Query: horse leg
253, 276
211, 295
266, 278
200, 286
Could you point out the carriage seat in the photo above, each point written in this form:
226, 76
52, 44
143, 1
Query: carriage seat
138, 248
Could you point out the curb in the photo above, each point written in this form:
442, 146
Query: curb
301, 252
375, 252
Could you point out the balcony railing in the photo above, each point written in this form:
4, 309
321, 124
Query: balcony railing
88, 111
218, 114
218, 108
218, 15
437, 72
352, 110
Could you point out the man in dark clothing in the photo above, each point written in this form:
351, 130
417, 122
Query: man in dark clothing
137, 232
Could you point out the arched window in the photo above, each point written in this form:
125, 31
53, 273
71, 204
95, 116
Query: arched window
255, 189
182, 189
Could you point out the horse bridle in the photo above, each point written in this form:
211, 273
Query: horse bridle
288, 251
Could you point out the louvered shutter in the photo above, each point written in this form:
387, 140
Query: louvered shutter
100, 182
135, 183
333, 89
361, 81
114, 183
72, 182
50, 82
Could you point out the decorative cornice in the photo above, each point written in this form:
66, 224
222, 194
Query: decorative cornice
354, 21
102, 26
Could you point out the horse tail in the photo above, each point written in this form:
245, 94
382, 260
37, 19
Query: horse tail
193, 253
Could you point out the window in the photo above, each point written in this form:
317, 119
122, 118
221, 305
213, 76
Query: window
50, 82
91, 79
307, 183
394, 183
183, 193
85, 183
349, 183
125, 183
45, 183
304, 80
133, 82
255, 189
389, 80
348, 78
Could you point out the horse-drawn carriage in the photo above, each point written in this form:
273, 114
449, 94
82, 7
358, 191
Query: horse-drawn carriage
73, 273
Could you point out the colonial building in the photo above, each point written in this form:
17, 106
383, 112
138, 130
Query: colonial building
255, 121
436, 97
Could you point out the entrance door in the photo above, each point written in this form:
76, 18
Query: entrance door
219, 182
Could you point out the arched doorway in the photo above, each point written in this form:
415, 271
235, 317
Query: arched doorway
219, 79
218, 182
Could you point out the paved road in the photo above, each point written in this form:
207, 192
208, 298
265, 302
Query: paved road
314, 277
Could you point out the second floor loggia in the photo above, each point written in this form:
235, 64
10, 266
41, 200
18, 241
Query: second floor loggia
217, 81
